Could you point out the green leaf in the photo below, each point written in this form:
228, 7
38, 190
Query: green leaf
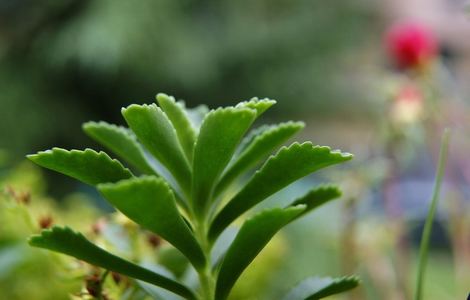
220, 133
173, 260
88, 166
317, 197
66, 241
150, 202
178, 117
288, 165
259, 105
263, 144
250, 240
121, 141
155, 131
314, 288
250, 136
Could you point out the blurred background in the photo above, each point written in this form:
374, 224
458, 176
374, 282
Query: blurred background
338, 65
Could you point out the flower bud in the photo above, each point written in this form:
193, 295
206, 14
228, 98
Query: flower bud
407, 106
411, 45
45, 222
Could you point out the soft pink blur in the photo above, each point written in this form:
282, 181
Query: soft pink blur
410, 44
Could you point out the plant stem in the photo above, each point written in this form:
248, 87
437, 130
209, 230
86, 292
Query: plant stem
206, 277
424, 247
207, 283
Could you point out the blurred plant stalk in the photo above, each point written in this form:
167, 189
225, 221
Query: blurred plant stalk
424, 247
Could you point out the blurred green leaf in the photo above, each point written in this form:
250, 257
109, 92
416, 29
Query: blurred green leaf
155, 131
121, 141
317, 197
178, 117
261, 145
314, 288
220, 133
252, 134
66, 241
150, 202
288, 165
173, 260
88, 166
250, 240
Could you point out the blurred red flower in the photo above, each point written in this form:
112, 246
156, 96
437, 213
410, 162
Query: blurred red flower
411, 44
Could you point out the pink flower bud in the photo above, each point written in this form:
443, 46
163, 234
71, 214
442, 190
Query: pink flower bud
411, 45
407, 106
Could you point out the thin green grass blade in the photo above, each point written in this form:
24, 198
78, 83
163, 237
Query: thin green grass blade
424, 247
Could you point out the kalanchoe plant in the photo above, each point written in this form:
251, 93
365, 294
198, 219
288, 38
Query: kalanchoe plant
182, 171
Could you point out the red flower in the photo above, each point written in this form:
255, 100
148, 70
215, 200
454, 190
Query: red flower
411, 45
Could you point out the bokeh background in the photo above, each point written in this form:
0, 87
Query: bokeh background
66, 62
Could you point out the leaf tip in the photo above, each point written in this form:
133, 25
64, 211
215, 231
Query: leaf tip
162, 97
32, 157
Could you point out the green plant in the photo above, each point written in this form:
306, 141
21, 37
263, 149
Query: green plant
426, 236
183, 195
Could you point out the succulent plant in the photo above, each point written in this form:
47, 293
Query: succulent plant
183, 169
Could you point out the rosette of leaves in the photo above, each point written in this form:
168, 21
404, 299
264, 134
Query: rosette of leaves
181, 168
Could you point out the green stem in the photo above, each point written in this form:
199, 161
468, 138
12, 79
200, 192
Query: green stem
424, 247
207, 284
206, 276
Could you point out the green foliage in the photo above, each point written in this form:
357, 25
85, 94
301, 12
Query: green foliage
87, 166
317, 196
178, 117
314, 288
252, 238
149, 201
203, 160
221, 132
262, 144
66, 241
121, 141
288, 165
155, 131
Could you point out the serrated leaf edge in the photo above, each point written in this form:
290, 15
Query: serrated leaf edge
98, 154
